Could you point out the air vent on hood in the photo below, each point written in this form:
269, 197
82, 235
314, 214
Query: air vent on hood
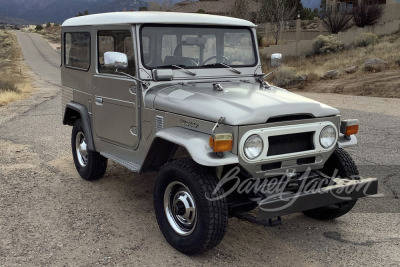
290, 118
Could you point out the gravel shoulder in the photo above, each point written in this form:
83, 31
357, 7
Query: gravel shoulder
51, 217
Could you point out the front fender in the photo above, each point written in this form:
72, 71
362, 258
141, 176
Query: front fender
197, 145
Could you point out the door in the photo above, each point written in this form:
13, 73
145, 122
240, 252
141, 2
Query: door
115, 101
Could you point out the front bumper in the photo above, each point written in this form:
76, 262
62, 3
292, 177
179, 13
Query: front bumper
288, 202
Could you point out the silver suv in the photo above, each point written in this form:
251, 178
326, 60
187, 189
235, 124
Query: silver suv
184, 95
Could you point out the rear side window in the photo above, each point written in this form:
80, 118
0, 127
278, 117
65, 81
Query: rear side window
115, 41
77, 50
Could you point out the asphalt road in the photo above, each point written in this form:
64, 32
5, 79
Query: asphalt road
49, 216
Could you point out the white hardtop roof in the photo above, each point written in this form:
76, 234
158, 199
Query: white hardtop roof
141, 17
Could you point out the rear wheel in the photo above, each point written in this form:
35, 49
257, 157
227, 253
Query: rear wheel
341, 162
89, 164
188, 219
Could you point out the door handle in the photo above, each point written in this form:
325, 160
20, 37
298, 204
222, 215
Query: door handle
98, 100
132, 90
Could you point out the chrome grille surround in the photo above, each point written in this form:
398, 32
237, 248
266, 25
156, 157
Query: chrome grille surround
265, 133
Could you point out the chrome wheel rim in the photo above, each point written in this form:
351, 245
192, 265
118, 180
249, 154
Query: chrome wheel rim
180, 208
81, 149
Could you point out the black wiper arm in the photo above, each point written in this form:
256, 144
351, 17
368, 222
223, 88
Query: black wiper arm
226, 66
185, 70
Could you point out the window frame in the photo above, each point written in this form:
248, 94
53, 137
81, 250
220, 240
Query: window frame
98, 50
90, 51
256, 57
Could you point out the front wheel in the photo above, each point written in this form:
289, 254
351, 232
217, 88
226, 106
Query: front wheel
189, 220
341, 163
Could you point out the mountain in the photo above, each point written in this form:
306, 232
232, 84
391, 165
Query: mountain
42, 11
14, 21
311, 3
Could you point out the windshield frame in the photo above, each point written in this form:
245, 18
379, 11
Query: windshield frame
254, 45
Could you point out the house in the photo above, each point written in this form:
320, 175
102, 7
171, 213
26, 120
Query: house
215, 7
350, 4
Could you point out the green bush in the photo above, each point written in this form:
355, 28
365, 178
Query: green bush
327, 44
366, 39
39, 28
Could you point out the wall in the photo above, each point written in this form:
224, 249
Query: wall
302, 47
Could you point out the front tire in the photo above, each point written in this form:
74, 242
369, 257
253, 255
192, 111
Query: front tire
189, 221
89, 164
341, 162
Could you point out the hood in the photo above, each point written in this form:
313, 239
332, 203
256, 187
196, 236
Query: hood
240, 103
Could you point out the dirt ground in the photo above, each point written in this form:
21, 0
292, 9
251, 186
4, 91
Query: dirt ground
380, 84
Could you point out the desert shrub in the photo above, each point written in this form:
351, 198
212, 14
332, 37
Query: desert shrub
39, 28
8, 86
337, 20
366, 39
327, 44
259, 40
285, 76
366, 14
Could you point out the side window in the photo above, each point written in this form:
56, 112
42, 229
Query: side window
77, 50
115, 41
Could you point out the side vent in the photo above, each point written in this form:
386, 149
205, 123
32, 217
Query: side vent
159, 123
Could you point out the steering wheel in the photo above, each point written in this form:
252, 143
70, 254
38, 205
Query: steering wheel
225, 60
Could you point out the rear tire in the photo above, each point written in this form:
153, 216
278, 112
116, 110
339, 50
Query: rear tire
189, 221
89, 164
341, 161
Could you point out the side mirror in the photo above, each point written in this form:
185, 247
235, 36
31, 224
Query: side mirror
276, 60
115, 60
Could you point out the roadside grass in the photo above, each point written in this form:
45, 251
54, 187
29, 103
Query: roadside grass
315, 66
14, 83
52, 34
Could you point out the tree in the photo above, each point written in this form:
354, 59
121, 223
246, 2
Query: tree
142, 8
367, 15
85, 13
201, 11
277, 12
308, 14
79, 14
240, 9
39, 28
48, 25
336, 20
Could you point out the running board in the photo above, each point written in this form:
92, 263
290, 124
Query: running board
129, 165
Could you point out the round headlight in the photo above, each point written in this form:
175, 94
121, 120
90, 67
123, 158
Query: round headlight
253, 146
327, 137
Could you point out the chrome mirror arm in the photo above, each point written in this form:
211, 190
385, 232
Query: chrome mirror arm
144, 83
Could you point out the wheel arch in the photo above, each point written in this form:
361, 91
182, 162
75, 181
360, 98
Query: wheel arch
74, 111
167, 142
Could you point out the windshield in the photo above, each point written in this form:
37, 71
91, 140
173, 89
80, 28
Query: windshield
197, 47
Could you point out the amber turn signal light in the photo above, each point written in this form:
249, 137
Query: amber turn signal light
221, 142
349, 127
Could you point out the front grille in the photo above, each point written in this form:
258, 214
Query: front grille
290, 143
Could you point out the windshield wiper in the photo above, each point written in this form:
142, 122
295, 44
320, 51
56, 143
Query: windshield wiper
226, 66
179, 67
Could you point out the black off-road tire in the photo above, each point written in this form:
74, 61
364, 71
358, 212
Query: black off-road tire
211, 216
341, 161
96, 164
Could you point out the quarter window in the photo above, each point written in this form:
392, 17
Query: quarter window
115, 41
77, 50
